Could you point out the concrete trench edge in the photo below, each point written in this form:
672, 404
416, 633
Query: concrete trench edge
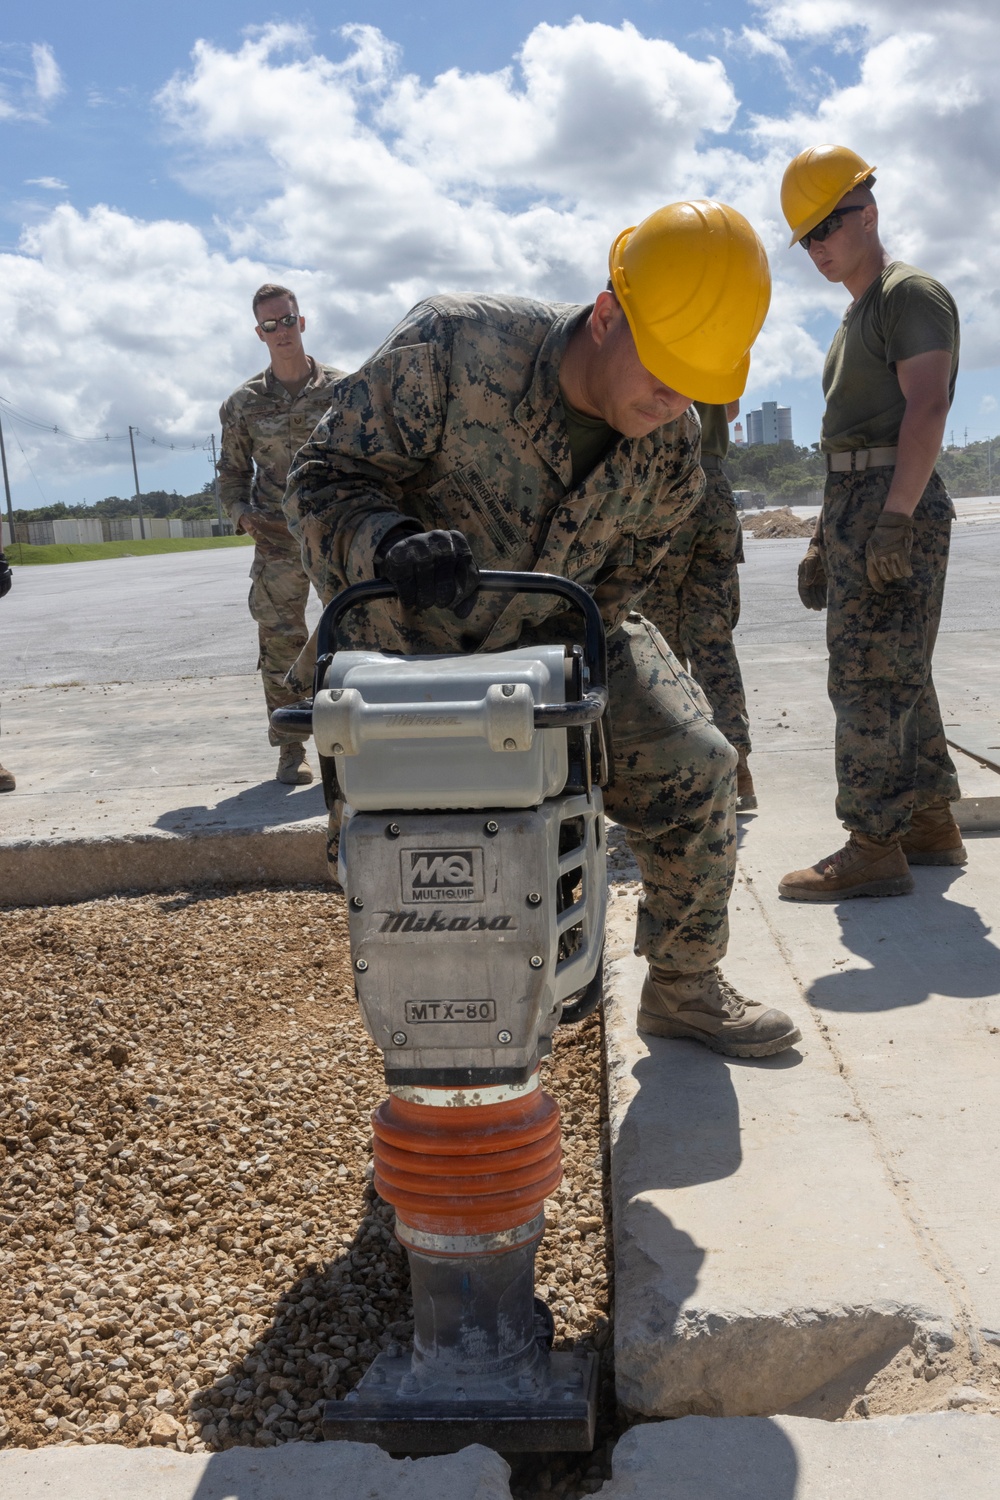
43, 872
760, 1365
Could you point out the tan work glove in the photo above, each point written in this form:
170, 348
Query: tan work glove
812, 577
887, 555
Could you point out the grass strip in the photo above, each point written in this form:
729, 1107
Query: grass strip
70, 552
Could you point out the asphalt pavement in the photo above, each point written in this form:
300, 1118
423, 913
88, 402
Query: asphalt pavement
131, 619
142, 619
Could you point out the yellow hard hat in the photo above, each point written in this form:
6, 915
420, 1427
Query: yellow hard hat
694, 284
814, 184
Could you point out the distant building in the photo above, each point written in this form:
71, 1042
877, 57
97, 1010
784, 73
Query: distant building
770, 424
738, 437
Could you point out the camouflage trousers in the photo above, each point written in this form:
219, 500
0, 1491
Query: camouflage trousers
279, 589
891, 752
695, 603
674, 794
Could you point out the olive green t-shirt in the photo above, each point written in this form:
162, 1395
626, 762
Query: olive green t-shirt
714, 429
903, 313
589, 440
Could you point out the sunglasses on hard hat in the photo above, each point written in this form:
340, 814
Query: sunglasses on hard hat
829, 225
288, 321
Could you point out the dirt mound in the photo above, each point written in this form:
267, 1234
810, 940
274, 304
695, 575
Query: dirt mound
771, 523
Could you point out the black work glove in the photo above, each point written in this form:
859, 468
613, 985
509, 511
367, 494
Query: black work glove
433, 568
887, 555
6, 576
812, 577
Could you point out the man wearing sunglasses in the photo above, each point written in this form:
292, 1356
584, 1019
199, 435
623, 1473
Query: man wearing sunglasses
264, 422
878, 559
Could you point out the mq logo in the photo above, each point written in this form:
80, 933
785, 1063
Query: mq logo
441, 875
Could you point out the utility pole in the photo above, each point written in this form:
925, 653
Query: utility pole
215, 481
138, 497
966, 443
989, 466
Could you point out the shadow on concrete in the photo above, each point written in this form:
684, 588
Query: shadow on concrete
267, 805
931, 946
699, 1458
685, 1119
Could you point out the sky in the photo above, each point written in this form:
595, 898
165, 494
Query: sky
159, 163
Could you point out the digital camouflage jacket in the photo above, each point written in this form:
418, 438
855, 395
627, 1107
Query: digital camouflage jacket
457, 421
262, 428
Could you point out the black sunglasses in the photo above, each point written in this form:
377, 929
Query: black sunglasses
830, 224
289, 321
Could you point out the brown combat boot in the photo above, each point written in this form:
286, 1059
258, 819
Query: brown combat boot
864, 867
746, 797
706, 1008
293, 769
7, 782
934, 837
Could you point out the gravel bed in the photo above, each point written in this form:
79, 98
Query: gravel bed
193, 1254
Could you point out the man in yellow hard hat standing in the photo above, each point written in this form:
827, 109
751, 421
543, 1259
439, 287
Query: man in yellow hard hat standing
880, 553
503, 433
695, 601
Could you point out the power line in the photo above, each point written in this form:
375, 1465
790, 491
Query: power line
38, 424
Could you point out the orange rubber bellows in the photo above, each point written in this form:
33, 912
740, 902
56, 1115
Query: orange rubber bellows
467, 1170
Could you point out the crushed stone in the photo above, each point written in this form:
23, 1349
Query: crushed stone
193, 1254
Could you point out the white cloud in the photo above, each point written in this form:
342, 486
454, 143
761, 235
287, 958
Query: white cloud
48, 78
366, 188
54, 184
925, 110
26, 94
107, 321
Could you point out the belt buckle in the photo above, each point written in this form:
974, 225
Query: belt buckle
864, 453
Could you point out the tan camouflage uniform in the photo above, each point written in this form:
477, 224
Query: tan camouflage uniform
262, 427
695, 600
457, 421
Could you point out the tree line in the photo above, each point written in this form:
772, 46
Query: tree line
792, 475
783, 472
155, 503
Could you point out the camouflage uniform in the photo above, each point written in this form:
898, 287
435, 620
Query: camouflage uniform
262, 427
695, 601
891, 753
457, 421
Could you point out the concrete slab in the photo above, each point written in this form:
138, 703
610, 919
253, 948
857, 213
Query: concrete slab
906, 991
760, 1250
930, 1457
148, 786
979, 741
291, 1471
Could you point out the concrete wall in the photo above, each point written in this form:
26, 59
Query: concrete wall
107, 529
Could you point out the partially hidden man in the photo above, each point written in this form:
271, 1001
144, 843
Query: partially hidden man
503, 433
695, 600
879, 556
264, 422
